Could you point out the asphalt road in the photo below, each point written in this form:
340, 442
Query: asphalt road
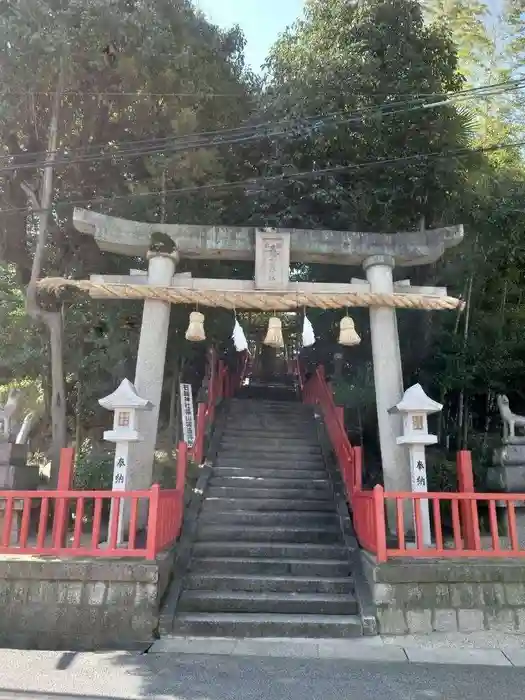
121, 676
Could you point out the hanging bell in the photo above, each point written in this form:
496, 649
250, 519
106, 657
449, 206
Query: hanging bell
347, 333
274, 336
195, 332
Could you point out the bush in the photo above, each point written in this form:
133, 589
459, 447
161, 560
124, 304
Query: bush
93, 471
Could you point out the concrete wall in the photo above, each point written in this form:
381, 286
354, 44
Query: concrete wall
74, 604
419, 597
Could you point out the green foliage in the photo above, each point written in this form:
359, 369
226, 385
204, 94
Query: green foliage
171, 67
93, 469
372, 59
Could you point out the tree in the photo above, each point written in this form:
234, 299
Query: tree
466, 20
370, 62
52, 319
364, 63
168, 72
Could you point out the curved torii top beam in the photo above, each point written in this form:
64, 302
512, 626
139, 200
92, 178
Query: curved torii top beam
133, 238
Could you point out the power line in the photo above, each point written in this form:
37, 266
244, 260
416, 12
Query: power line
135, 93
458, 153
245, 134
252, 129
165, 140
204, 93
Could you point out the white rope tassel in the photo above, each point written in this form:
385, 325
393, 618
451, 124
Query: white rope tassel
348, 334
274, 336
195, 332
308, 333
239, 339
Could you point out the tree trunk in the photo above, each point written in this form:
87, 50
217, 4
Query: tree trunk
462, 415
52, 319
58, 391
78, 417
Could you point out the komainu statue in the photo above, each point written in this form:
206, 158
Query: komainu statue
511, 420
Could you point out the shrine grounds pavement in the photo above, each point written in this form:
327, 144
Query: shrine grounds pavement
276, 670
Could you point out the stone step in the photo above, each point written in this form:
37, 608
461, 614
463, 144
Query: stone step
277, 427
271, 567
270, 441
268, 405
241, 533
241, 625
293, 494
272, 550
262, 408
270, 519
237, 430
250, 481
314, 462
256, 410
284, 425
269, 473
250, 450
233, 438
267, 444
269, 584
280, 419
269, 504
274, 603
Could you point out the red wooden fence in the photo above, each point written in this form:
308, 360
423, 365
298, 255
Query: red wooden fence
317, 391
37, 522
462, 537
221, 384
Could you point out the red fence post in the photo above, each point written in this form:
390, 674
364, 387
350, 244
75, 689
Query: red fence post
358, 468
466, 485
380, 522
198, 447
65, 483
153, 519
182, 463
66, 469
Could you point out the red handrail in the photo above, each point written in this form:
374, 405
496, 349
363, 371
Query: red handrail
317, 391
221, 384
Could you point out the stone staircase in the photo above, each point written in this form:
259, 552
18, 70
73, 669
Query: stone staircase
268, 558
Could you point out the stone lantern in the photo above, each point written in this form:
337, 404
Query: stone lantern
414, 408
125, 403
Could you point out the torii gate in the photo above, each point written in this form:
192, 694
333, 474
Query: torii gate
271, 290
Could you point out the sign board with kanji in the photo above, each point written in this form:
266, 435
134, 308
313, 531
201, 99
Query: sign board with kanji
187, 413
120, 469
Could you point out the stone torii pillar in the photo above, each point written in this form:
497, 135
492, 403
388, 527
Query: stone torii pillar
388, 373
149, 372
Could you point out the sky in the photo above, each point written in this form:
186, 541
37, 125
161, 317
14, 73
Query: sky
261, 21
